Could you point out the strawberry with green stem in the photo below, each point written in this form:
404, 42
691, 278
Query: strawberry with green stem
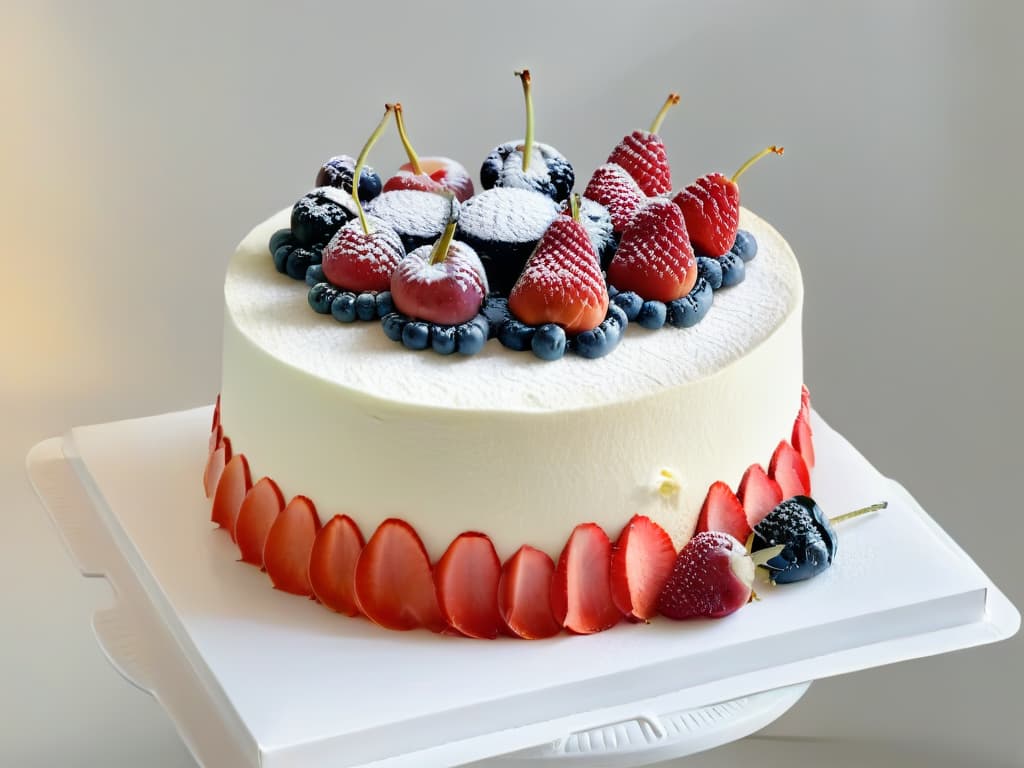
642, 155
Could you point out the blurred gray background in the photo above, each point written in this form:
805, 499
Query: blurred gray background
140, 142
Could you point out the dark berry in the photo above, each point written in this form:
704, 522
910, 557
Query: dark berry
470, 337
614, 326
299, 260
691, 309
810, 541
592, 343
745, 245
710, 270
549, 342
496, 310
393, 324
338, 172
652, 315
385, 305
321, 296
416, 335
366, 306
315, 274
418, 217
733, 269
279, 238
319, 214
344, 307
281, 257
503, 167
516, 335
629, 302
612, 291
442, 339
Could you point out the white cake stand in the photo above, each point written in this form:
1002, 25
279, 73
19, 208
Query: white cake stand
245, 673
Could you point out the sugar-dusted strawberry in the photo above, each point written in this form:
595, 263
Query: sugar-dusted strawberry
467, 578
711, 207
524, 595
758, 494
394, 582
332, 564
641, 562
235, 482
216, 438
654, 258
581, 594
617, 191
562, 281
713, 576
803, 440
215, 466
788, 469
428, 174
642, 155
722, 511
288, 546
260, 508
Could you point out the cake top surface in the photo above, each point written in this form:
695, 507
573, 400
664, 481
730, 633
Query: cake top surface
271, 310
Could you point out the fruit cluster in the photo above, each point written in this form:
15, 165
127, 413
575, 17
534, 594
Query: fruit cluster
561, 272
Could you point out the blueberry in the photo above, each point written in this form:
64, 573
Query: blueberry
319, 214
344, 307
733, 269
629, 302
652, 315
418, 217
516, 335
809, 540
385, 304
321, 297
503, 167
299, 260
279, 238
549, 342
470, 337
618, 314
612, 291
338, 172
281, 257
416, 335
315, 274
496, 311
366, 306
442, 339
745, 245
613, 326
393, 324
691, 309
710, 270
592, 343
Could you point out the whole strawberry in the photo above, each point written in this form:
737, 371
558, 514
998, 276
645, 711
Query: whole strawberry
562, 281
642, 155
654, 258
616, 190
713, 576
711, 207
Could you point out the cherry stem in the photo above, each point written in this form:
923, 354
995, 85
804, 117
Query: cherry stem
671, 101
766, 151
858, 512
574, 206
388, 108
440, 250
524, 75
414, 159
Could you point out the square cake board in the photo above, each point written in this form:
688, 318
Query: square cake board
255, 677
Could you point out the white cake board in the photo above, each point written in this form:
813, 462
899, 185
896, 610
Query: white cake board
255, 677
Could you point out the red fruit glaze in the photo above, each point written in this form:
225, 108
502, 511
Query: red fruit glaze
642, 155
805, 402
711, 208
361, 262
288, 546
216, 415
524, 595
581, 595
438, 173
788, 469
215, 466
758, 494
722, 511
641, 563
216, 437
803, 440
617, 191
260, 508
394, 584
466, 578
232, 487
712, 576
447, 293
562, 281
654, 258
332, 564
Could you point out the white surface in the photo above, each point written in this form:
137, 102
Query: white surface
274, 665
901, 175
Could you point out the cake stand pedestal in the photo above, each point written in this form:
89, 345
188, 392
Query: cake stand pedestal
253, 677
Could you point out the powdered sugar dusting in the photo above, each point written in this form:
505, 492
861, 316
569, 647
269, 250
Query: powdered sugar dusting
616, 190
411, 212
508, 214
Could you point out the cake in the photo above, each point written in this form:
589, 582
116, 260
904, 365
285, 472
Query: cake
458, 491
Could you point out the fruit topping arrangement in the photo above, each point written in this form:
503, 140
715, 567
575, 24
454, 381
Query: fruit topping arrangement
559, 271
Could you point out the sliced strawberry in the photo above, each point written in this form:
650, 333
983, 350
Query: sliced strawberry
788, 469
581, 594
216, 438
654, 258
260, 508
805, 402
235, 481
524, 595
803, 440
215, 466
467, 578
289, 543
394, 584
758, 494
723, 512
216, 414
712, 576
641, 562
616, 190
332, 564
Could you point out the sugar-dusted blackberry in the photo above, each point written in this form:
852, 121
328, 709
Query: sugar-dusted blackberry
691, 309
319, 214
418, 217
338, 172
504, 226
